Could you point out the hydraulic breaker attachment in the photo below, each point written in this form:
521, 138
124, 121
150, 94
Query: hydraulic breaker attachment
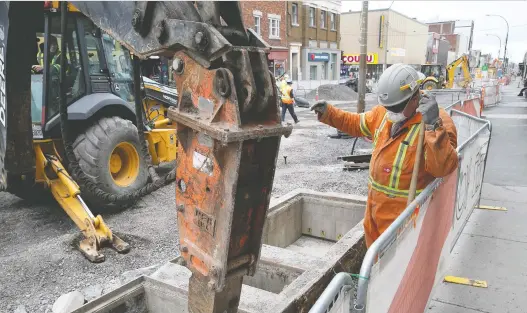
229, 133
97, 234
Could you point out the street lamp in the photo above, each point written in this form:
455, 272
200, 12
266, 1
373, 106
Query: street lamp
499, 50
505, 63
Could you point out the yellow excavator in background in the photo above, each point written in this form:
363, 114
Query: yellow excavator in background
116, 139
436, 80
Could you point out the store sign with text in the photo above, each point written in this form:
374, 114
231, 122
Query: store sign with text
349, 59
318, 57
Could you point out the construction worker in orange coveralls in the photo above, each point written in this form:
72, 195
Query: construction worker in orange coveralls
394, 127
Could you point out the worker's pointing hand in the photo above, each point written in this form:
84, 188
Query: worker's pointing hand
320, 107
429, 108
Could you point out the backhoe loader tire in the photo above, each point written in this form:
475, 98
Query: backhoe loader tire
429, 85
109, 153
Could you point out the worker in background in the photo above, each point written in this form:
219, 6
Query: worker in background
523, 89
394, 128
54, 58
288, 100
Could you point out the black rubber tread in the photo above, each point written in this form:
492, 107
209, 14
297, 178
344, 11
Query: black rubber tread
93, 149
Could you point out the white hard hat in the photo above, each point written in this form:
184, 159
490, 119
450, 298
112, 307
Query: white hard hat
397, 85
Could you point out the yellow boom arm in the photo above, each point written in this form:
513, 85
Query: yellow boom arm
451, 71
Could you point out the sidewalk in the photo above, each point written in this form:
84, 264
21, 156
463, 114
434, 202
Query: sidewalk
493, 246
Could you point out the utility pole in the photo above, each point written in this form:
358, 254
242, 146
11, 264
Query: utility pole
471, 36
386, 28
363, 51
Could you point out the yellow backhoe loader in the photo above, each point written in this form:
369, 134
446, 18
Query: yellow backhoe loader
116, 139
435, 75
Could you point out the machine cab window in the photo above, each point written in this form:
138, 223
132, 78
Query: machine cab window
45, 78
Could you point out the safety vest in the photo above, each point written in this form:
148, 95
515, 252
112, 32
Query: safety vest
55, 62
286, 94
393, 159
40, 58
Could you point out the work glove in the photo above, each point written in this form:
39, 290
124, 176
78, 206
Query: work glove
320, 107
429, 108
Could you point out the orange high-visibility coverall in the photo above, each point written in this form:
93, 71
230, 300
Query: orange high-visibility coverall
392, 160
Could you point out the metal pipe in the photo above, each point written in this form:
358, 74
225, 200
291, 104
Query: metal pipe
361, 105
62, 61
326, 298
388, 235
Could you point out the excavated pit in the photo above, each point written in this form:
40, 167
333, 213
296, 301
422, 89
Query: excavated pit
308, 236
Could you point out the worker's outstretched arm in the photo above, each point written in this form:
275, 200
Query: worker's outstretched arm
440, 143
357, 125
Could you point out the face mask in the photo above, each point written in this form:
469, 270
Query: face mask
395, 117
53, 49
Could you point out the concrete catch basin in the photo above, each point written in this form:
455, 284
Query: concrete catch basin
308, 237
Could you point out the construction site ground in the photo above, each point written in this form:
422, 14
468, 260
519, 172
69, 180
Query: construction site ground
39, 260
493, 245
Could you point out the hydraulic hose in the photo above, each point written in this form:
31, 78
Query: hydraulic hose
76, 171
139, 113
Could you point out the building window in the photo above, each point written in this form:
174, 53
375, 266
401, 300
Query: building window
294, 14
333, 45
323, 44
324, 73
257, 23
313, 72
333, 21
323, 19
313, 44
312, 17
274, 28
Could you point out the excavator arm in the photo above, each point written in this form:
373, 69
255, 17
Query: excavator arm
451, 72
228, 123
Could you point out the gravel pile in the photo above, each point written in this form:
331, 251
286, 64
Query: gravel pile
333, 92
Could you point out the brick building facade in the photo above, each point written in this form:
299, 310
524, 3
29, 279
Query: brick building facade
313, 32
268, 18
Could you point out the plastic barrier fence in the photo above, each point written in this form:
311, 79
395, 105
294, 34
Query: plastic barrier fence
490, 95
402, 266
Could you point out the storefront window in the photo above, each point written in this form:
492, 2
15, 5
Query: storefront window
279, 68
324, 72
313, 72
